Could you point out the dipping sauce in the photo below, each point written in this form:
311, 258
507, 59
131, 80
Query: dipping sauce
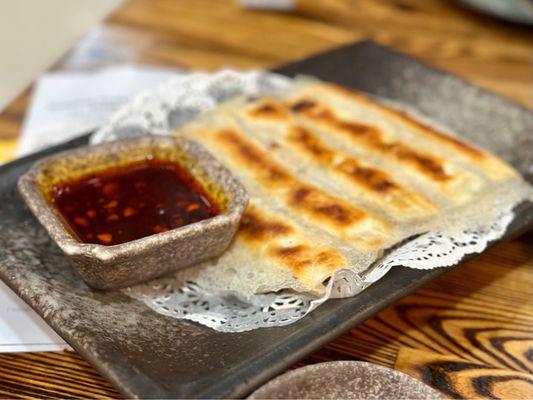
132, 201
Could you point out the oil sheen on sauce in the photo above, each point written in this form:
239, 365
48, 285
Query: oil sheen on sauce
132, 201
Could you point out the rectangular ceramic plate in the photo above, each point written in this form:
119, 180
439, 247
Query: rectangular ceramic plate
145, 354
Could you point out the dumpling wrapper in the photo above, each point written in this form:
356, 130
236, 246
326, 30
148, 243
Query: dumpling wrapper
335, 179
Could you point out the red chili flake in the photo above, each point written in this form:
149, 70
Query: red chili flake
192, 207
81, 221
159, 229
105, 237
110, 188
91, 213
128, 212
111, 204
112, 217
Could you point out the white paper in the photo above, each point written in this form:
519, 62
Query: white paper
65, 105
68, 104
21, 329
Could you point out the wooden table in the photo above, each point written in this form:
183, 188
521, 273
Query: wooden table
471, 332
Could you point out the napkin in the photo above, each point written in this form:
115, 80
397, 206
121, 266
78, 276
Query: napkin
68, 104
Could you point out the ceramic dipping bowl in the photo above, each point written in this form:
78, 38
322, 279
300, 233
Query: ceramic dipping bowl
107, 267
349, 380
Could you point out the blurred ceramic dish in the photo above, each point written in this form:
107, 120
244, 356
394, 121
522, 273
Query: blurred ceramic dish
106, 267
345, 380
520, 11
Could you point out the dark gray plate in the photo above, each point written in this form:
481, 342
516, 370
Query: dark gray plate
145, 354
519, 11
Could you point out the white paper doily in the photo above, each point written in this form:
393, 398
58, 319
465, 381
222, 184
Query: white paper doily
179, 100
167, 107
228, 312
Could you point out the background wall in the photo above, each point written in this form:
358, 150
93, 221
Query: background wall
35, 33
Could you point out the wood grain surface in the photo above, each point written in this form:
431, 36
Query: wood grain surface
468, 334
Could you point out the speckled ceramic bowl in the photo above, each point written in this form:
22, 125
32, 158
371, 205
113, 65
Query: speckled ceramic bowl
106, 267
353, 380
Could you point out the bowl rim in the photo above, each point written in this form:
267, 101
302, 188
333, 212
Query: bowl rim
52, 221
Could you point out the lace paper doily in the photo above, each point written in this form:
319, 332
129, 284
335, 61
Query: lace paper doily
179, 100
167, 107
228, 312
